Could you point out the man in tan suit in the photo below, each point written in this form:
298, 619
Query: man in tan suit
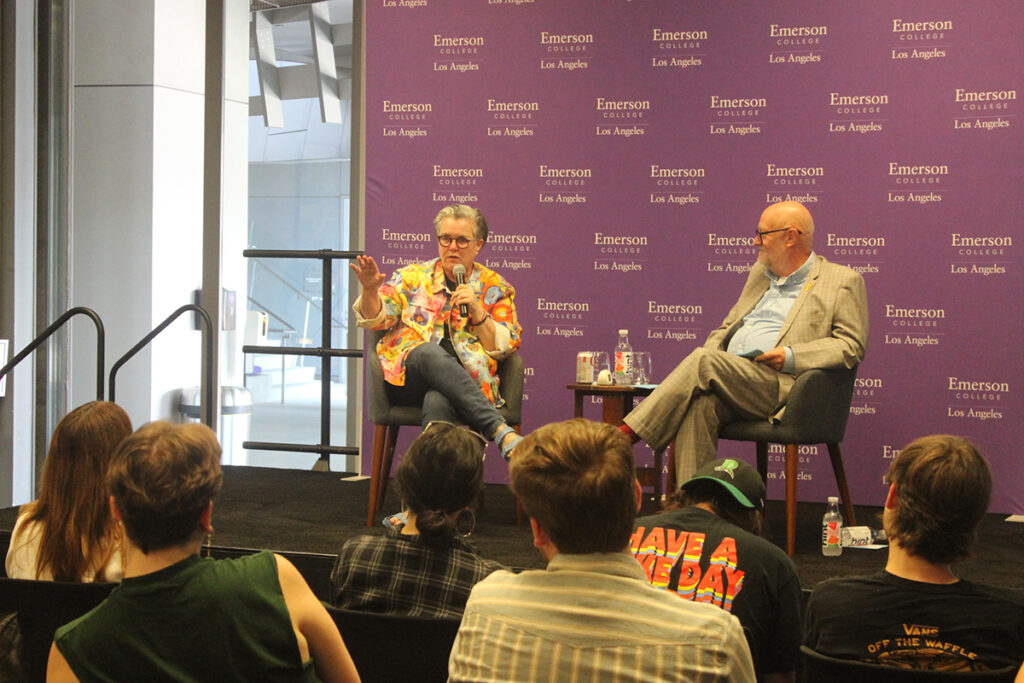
797, 312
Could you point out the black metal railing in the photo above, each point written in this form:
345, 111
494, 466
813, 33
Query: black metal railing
207, 382
45, 334
324, 352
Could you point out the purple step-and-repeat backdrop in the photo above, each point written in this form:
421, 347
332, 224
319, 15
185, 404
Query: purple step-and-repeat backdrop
622, 152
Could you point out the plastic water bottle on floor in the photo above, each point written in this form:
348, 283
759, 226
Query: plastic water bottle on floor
832, 529
623, 359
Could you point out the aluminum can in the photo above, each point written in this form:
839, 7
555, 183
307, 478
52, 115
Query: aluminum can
585, 367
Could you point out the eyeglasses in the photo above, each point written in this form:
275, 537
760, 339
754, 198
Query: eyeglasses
762, 233
434, 423
460, 242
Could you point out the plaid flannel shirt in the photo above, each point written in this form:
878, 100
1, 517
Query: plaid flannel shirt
396, 574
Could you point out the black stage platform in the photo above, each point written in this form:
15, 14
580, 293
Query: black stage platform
316, 511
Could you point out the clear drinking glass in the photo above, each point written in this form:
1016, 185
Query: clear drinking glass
642, 367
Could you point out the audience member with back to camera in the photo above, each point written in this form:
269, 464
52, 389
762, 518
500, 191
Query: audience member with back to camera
917, 614
706, 547
591, 615
449, 321
67, 534
180, 617
423, 568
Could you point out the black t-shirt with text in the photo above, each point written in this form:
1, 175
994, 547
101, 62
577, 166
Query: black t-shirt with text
703, 558
886, 619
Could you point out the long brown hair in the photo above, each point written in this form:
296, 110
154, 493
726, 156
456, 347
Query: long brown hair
77, 533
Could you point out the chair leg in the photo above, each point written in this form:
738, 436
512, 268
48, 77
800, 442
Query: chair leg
390, 439
792, 460
844, 491
762, 460
379, 432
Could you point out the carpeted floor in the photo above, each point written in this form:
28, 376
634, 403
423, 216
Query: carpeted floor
317, 511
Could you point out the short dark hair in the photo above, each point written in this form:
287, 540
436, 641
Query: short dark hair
440, 475
943, 485
162, 477
576, 478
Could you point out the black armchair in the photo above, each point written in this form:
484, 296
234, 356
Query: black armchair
816, 412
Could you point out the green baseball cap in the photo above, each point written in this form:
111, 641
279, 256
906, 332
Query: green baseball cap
738, 478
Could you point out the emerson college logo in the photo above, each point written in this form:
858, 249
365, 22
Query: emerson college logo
402, 118
912, 326
517, 112
736, 115
574, 46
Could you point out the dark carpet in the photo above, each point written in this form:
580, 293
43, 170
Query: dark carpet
316, 512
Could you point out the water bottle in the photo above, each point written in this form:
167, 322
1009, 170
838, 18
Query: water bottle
862, 535
623, 359
832, 529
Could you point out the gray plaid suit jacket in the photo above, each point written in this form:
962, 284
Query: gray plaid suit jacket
827, 326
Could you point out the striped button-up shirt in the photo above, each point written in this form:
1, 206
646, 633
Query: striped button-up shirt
593, 618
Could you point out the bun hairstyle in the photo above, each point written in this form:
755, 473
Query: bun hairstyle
439, 477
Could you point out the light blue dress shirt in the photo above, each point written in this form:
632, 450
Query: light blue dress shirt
761, 327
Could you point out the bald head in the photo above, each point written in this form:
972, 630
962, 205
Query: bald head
791, 215
785, 236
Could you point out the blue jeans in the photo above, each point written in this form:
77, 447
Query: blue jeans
437, 380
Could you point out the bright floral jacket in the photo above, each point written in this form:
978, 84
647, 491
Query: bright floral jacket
416, 305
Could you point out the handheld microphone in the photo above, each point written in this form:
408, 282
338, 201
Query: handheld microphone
459, 271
